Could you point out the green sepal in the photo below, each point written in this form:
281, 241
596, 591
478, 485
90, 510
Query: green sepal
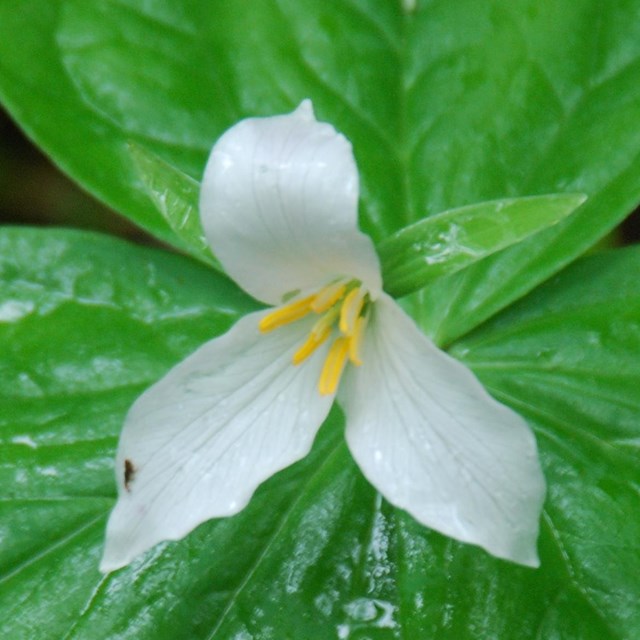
175, 195
452, 240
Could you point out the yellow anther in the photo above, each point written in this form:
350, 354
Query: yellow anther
285, 315
328, 296
333, 366
355, 341
313, 342
340, 303
350, 311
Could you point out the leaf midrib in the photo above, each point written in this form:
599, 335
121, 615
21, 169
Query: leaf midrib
61, 542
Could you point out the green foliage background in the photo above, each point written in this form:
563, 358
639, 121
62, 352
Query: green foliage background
448, 105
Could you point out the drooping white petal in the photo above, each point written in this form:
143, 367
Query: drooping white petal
279, 206
198, 443
428, 436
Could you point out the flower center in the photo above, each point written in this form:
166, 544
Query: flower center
342, 307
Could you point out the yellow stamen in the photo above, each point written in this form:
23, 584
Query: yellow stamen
328, 296
355, 342
313, 342
285, 315
326, 321
339, 303
351, 308
333, 366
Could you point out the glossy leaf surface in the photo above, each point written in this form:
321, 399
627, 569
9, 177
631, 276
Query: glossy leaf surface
316, 541
566, 359
446, 104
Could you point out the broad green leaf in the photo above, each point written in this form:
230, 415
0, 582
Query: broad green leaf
449, 104
88, 322
75, 309
175, 195
449, 241
566, 357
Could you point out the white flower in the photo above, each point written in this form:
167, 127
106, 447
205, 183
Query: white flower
279, 208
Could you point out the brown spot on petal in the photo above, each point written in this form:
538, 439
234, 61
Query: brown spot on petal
129, 473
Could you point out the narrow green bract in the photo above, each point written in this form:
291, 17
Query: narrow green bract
445, 243
175, 195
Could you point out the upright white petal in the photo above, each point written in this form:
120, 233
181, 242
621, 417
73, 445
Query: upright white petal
279, 206
432, 441
198, 443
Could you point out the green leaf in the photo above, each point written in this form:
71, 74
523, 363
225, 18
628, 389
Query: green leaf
450, 104
176, 196
447, 242
74, 310
566, 357
87, 323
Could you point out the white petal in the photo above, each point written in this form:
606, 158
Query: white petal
428, 436
201, 440
279, 206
